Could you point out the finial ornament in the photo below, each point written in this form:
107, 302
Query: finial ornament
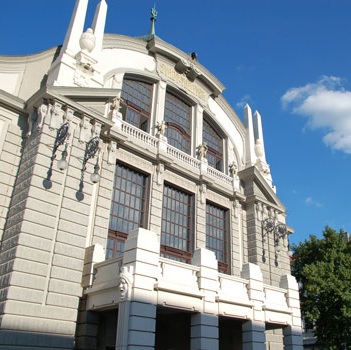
153, 14
153, 20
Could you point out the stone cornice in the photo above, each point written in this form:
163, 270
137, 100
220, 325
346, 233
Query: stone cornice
253, 175
117, 41
13, 60
12, 102
56, 94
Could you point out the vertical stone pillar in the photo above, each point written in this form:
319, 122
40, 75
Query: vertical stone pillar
198, 123
160, 106
292, 333
204, 326
204, 332
254, 337
137, 309
201, 216
292, 338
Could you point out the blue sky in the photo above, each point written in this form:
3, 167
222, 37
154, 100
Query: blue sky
289, 59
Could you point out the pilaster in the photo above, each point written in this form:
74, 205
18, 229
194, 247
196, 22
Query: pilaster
137, 308
204, 332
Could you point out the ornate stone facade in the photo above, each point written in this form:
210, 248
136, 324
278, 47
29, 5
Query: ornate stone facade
205, 265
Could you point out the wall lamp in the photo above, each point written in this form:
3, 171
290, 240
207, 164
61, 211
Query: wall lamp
61, 137
279, 231
90, 151
92, 147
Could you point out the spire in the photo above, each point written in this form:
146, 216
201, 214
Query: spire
75, 29
257, 124
99, 26
153, 20
250, 137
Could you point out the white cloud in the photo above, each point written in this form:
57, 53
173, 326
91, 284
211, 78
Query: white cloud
327, 106
243, 101
312, 202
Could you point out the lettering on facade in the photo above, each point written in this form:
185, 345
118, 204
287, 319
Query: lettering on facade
168, 72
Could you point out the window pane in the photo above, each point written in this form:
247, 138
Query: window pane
214, 143
136, 103
178, 119
176, 224
217, 234
127, 208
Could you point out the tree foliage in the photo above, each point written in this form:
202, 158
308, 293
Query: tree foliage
323, 269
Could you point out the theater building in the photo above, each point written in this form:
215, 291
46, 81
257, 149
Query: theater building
137, 209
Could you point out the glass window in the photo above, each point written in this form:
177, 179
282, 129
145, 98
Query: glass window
127, 209
178, 120
177, 212
217, 234
214, 143
136, 103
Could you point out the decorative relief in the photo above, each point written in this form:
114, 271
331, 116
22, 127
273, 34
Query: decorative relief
68, 115
259, 211
112, 153
180, 181
203, 190
125, 282
217, 198
84, 129
237, 208
96, 129
160, 169
184, 81
56, 115
130, 158
42, 112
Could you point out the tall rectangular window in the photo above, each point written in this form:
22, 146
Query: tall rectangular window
217, 234
214, 143
177, 224
136, 103
178, 120
128, 208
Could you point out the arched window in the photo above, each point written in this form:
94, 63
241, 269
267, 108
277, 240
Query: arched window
215, 146
178, 120
136, 103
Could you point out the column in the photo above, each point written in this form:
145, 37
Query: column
292, 333
204, 326
204, 332
292, 338
137, 309
254, 335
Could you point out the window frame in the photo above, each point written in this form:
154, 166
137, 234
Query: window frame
177, 127
119, 236
220, 157
144, 116
223, 264
169, 251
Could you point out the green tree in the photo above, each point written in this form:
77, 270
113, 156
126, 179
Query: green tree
323, 269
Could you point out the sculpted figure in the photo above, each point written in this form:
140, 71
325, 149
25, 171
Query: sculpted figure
161, 128
124, 284
203, 150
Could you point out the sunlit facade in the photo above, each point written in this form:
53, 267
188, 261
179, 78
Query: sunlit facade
137, 209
